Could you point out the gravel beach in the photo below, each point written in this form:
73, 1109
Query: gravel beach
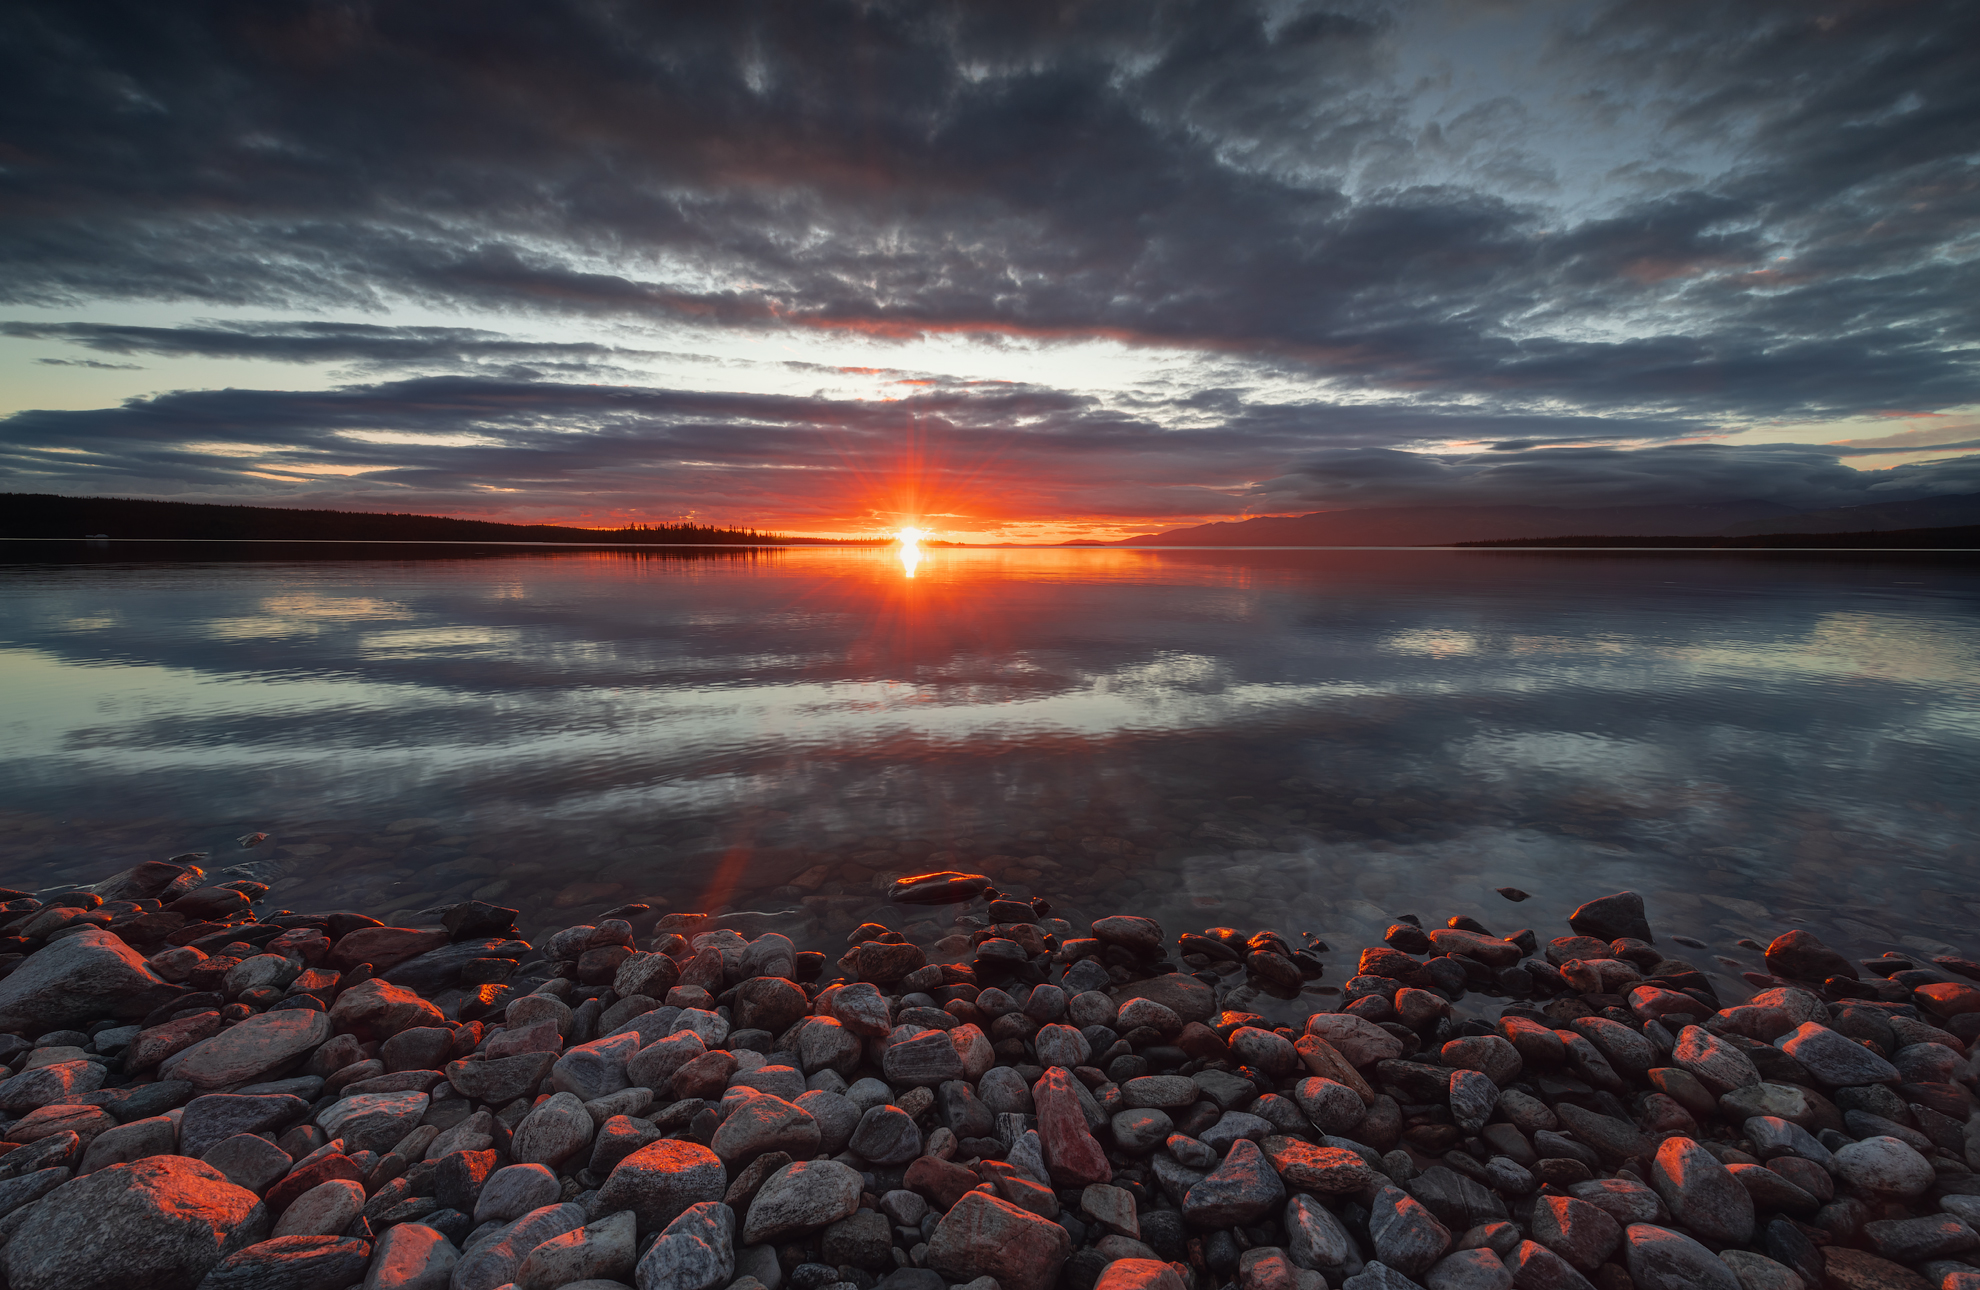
201, 1091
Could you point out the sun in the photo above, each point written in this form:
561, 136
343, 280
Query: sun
911, 537
910, 540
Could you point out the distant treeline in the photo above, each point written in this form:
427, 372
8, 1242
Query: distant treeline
45, 515
1964, 537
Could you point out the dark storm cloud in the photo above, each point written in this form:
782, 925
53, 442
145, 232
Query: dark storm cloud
1193, 174
1806, 476
364, 344
959, 454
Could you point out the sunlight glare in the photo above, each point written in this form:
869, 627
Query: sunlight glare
910, 540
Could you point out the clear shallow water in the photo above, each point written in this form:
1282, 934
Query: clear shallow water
1308, 740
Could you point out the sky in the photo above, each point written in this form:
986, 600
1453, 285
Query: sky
1005, 271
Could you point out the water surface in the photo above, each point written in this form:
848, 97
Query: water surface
1309, 740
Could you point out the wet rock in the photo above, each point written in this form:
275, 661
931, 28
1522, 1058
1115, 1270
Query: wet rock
1361, 1042
161, 1223
984, 1236
1800, 956
1611, 918
77, 979
661, 1180
801, 1198
1187, 997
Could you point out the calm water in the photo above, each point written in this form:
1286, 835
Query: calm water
1308, 740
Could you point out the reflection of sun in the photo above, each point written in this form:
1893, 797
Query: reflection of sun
910, 540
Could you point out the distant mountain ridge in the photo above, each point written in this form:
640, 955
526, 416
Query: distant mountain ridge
1447, 525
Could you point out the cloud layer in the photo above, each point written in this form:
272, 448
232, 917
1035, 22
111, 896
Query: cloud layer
1673, 219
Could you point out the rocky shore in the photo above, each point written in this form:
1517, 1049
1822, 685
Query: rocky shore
200, 1092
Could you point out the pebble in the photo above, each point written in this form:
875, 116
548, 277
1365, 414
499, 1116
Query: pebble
1885, 1166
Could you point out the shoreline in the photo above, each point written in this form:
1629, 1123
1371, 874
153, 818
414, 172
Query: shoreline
204, 1094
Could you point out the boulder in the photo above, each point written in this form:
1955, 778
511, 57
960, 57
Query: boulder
162, 1223
251, 1049
78, 979
983, 1236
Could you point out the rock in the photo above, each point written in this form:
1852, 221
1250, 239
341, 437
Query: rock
927, 1059
162, 1223
886, 1135
246, 1159
984, 1236
292, 1263
1063, 1046
1472, 1097
1625, 1201
1473, 1269
207, 1121
1701, 1193
1407, 1236
495, 1261
944, 888
1611, 1138
501, 1081
1800, 956
1071, 1153
373, 1121
558, 1128
769, 1003
1359, 1040
594, 1070
1612, 918
1491, 1055
1187, 997
411, 1256
1239, 1191
1858, 1270
248, 1050
1331, 1106
1914, 1240
1773, 1137
600, 1251
381, 1009
803, 1197
661, 1180
1535, 1267
1660, 1259
766, 1123
58, 1083
1577, 1231
1715, 1063
1885, 1167
1331, 1170
508, 1193
1317, 1240
1758, 1272
76, 980
383, 947
1834, 1060
861, 1240
652, 975
324, 1210
835, 1116
1378, 1276
1138, 1274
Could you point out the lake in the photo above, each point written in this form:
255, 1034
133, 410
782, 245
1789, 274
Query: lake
1314, 741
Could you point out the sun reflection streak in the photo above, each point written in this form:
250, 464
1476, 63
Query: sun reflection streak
910, 540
